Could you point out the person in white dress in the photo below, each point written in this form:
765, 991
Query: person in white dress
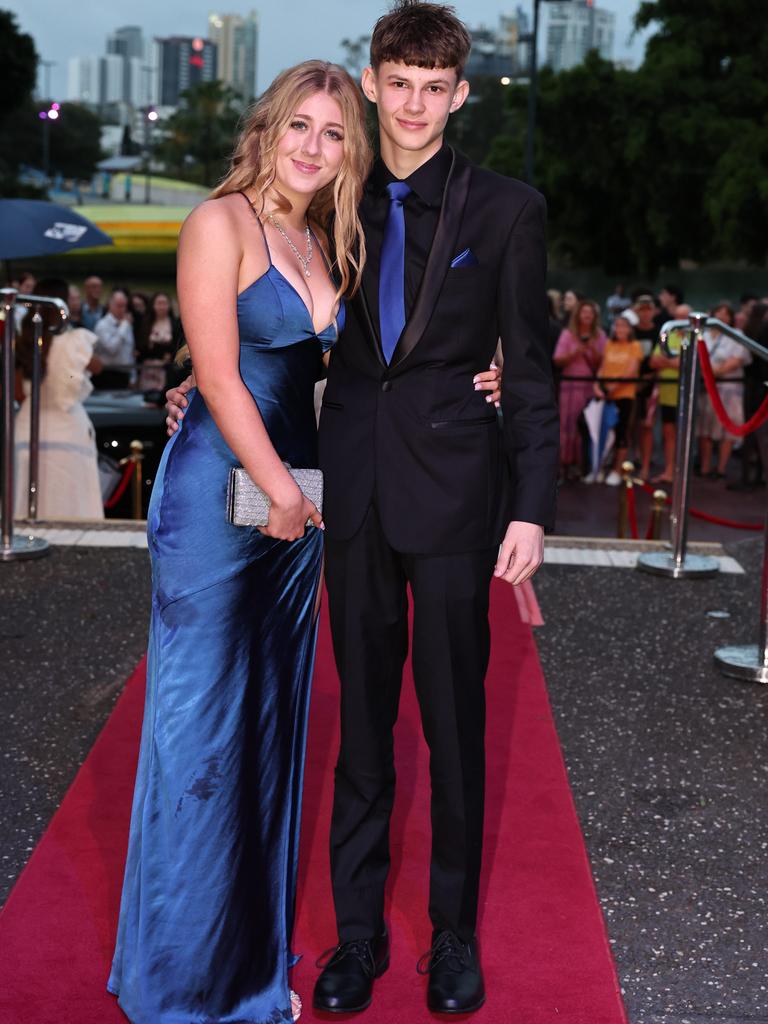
68, 482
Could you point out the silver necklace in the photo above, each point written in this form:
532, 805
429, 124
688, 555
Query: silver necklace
303, 260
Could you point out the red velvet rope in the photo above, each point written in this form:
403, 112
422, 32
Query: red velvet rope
121, 487
759, 418
632, 513
697, 514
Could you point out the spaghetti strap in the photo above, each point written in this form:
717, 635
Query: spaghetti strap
258, 221
325, 258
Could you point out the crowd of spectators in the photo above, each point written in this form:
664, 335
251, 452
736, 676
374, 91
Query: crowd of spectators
616, 359
126, 340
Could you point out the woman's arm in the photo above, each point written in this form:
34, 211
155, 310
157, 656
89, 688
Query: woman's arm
208, 266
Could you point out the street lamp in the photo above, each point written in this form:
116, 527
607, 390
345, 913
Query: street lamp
46, 116
150, 116
533, 38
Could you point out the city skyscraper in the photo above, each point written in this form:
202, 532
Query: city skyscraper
84, 80
575, 28
500, 53
181, 62
237, 40
119, 77
128, 45
127, 41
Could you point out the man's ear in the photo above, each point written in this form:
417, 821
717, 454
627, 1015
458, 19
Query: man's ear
368, 83
460, 95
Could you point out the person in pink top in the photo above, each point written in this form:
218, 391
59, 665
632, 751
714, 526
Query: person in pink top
578, 353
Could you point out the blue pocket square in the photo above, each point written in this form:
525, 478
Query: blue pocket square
464, 259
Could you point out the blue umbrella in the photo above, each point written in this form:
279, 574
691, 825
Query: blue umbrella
33, 227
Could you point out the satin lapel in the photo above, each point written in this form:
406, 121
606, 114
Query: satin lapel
440, 255
364, 309
364, 306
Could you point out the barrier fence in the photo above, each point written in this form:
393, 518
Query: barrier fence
748, 662
679, 563
13, 548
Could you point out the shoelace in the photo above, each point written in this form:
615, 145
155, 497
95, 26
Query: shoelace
447, 947
360, 948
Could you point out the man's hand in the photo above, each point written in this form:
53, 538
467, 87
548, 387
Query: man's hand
521, 553
176, 403
489, 380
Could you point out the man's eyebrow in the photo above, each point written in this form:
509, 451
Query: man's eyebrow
404, 78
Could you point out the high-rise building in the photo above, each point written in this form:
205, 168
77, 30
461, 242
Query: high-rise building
503, 52
127, 41
237, 41
119, 78
84, 80
128, 44
182, 62
112, 79
575, 28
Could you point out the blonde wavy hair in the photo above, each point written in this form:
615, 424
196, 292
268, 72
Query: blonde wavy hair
334, 208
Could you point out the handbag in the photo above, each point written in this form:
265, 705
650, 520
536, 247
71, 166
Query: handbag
249, 505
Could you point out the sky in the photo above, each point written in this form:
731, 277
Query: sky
290, 30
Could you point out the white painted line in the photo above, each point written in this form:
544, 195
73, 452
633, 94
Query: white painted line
730, 565
607, 558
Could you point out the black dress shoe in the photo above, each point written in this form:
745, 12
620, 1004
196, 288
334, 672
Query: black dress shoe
346, 984
455, 979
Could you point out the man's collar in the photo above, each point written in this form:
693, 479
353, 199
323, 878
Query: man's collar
427, 181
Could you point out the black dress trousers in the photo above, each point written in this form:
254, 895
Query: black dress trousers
367, 587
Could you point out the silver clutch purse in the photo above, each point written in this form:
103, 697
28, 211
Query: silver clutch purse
248, 505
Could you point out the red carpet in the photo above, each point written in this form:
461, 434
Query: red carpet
544, 946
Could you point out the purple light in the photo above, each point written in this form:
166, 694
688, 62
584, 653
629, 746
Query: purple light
55, 106
42, 115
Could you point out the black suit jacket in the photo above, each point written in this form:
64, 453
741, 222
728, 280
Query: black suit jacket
414, 436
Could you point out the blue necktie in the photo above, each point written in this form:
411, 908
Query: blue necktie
392, 271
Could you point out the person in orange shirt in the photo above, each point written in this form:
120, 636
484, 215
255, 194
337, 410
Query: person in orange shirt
621, 358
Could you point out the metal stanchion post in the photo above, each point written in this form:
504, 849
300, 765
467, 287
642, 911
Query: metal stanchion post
659, 501
34, 412
11, 548
137, 456
750, 662
677, 563
627, 469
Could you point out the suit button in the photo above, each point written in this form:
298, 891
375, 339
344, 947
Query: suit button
387, 385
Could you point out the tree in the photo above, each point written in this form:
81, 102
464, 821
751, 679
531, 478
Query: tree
197, 141
642, 169
18, 73
704, 83
356, 53
18, 64
75, 139
474, 126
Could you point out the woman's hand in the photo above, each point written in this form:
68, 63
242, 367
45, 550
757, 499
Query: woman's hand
489, 380
288, 517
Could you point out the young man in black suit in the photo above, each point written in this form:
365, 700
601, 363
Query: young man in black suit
455, 261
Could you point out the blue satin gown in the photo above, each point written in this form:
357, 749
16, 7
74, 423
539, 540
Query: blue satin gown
210, 880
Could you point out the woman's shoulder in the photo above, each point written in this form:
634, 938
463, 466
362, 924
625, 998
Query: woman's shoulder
219, 214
